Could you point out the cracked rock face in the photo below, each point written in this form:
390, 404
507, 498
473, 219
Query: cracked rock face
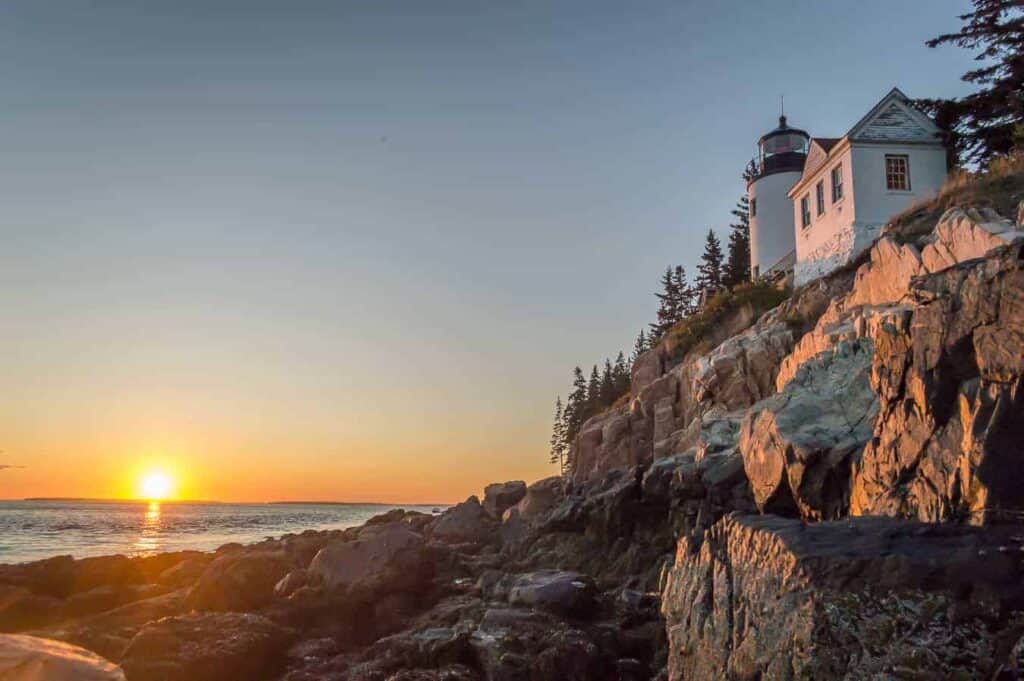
775, 598
798, 445
947, 442
966, 234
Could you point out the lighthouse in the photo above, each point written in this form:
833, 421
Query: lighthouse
780, 159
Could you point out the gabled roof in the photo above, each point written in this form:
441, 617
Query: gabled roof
894, 118
818, 153
826, 143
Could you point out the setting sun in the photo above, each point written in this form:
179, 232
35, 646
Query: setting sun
156, 485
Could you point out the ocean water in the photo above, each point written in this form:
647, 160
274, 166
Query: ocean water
31, 530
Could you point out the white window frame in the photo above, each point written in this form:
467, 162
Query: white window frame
819, 197
897, 174
805, 211
836, 174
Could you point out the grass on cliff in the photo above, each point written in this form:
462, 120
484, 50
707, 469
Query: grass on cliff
695, 332
1000, 187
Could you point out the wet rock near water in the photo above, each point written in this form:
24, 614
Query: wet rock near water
207, 647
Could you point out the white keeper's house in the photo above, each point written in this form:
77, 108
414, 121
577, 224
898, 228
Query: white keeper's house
817, 202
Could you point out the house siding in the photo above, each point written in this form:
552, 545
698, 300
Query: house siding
851, 226
876, 204
829, 239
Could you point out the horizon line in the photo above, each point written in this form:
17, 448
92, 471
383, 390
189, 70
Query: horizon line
216, 501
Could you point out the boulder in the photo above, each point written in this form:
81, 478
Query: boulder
388, 560
885, 278
540, 498
28, 658
465, 522
109, 633
962, 235
239, 581
647, 368
107, 598
502, 495
516, 644
775, 598
185, 572
742, 370
512, 529
207, 647
565, 593
799, 446
291, 582
21, 609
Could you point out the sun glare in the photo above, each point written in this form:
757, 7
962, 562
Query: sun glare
156, 486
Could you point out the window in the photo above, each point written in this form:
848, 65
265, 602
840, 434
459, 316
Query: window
897, 173
805, 210
819, 197
837, 183
753, 207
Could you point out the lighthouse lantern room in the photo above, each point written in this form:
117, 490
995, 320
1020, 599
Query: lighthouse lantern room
780, 159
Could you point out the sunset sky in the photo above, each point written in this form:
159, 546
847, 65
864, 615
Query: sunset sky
352, 250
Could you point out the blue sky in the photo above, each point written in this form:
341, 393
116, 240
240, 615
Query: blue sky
379, 229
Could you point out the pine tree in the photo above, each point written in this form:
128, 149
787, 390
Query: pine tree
686, 296
737, 266
607, 385
668, 304
751, 171
982, 125
593, 393
640, 346
558, 444
709, 271
621, 375
575, 407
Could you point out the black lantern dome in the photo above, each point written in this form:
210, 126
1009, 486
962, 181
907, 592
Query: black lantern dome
783, 150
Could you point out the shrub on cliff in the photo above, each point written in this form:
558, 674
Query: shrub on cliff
690, 333
999, 187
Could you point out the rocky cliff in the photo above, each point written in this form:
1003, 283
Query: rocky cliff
826, 489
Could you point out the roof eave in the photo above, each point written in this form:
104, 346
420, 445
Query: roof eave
842, 145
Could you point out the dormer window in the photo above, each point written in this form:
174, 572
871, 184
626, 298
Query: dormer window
837, 183
897, 173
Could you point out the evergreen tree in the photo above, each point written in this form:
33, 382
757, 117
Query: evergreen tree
668, 304
686, 296
558, 444
593, 394
621, 375
737, 266
575, 407
608, 394
640, 346
751, 171
709, 271
983, 124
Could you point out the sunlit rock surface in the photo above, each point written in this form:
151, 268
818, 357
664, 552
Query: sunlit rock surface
28, 658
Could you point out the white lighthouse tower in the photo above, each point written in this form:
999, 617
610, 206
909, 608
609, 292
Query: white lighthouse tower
780, 161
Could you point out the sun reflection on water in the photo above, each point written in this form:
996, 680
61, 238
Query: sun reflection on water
149, 538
